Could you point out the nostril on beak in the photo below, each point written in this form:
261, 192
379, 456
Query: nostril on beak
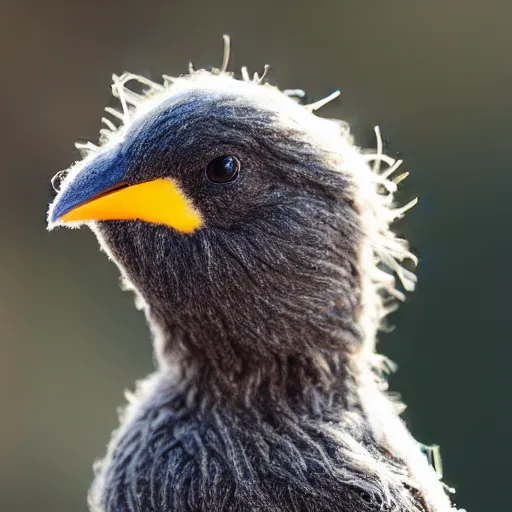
58, 179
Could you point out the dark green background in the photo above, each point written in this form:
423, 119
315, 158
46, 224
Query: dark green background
436, 75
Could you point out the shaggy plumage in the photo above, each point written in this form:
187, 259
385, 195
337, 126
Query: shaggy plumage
268, 395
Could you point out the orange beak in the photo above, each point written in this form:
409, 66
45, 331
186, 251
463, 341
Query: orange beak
159, 201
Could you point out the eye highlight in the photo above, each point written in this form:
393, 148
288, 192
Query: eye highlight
223, 169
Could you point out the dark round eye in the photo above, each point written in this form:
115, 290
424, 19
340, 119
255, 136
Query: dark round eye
223, 169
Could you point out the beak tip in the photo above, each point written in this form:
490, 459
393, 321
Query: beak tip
57, 212
54, 214
62, 205
52, 220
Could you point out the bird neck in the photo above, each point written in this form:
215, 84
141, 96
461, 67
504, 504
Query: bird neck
313, 380
279, 319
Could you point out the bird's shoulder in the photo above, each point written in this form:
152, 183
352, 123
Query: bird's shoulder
191, 454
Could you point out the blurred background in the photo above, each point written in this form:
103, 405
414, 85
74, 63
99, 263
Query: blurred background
435, 75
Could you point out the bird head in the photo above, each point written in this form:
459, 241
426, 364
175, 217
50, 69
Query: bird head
249, 228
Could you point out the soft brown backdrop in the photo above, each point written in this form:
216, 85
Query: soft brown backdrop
436, 75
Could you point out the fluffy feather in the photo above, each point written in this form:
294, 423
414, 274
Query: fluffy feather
269, 395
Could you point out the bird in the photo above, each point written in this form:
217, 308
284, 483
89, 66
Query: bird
257, 238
